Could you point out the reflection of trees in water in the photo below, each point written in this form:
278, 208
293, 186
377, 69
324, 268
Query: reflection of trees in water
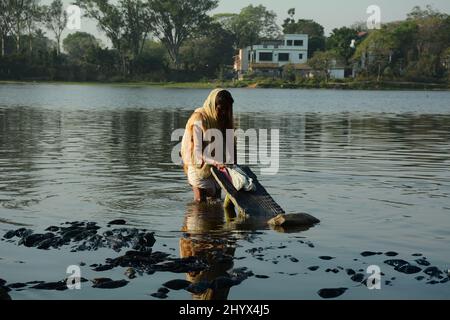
119, 149
313, 133
27, 135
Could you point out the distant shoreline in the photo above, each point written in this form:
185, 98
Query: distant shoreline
259, 84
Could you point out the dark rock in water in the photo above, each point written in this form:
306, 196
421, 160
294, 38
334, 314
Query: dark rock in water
113, 284
408, 269
46, 244
335, 270
2, 282
261, 276
118, 222
130, 273
163, 290
387, 282
4, 294
177, 284
294, 259
358, 277
198, 288
146, 240
6, 289
86, 232
420, 278
423, 262
52, 229
368, 253
310, 244
22, 232
331, 293
314, 268
98, 281
434, 272
222, 283
159, 295
350, 272
433, 282
445, 280
17, 285
396, 262
103, 267
391, 254
417, 254
403, 266
59, 285
326, 258
10, 234
34, 282
240, 274
35, 239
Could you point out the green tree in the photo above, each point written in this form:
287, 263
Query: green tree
209, 52
5, 23
174, 21
33, 16
314, 30
137, 23
56, 21
17, 9
111, 21
251, 25
322, 61
341, 40
376, 51
79, 44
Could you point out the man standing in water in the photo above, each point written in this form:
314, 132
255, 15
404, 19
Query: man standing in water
216, 114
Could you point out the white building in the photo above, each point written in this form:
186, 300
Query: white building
270, 56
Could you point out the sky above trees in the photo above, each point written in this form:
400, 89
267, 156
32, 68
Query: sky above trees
329, 13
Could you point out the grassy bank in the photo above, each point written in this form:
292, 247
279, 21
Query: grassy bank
348, 84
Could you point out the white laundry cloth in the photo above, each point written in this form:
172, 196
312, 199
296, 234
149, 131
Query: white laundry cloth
240, 179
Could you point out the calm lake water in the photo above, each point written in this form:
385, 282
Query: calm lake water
373, 166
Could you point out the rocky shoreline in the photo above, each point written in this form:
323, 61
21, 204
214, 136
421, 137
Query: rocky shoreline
139, 259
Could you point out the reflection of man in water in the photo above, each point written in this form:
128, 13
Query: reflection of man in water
201, 223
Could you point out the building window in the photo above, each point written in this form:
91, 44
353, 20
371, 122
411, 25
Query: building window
289, 42
298, 43
300, 56
283, 57
265, 56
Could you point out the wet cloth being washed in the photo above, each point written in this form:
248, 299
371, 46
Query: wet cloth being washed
239, 178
